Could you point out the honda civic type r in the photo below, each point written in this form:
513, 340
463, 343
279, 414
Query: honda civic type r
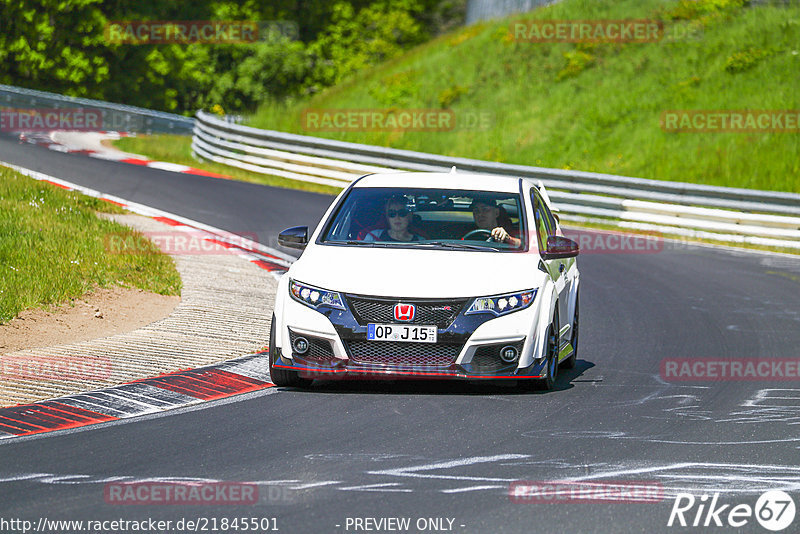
429, 275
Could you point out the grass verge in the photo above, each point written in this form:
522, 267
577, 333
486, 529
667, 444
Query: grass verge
178, 149
52, 248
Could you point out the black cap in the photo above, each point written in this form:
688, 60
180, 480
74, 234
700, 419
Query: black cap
483, 198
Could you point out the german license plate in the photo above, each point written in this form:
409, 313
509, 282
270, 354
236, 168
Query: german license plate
401, 332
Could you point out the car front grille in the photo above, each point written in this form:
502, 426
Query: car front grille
402, 354
434, 312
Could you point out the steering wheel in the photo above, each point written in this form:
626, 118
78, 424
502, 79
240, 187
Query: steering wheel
479, 231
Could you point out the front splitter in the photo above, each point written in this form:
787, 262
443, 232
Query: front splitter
363, 372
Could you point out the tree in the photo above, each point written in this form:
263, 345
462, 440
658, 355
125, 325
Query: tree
54, 45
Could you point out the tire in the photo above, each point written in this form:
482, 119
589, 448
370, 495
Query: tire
282, 377
549, 381
570, 362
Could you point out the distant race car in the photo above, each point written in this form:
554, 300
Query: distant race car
429, 275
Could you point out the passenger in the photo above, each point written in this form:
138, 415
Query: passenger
398, 217
486, 214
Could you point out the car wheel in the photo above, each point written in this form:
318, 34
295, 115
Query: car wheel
282, 377
548, 382
570, 362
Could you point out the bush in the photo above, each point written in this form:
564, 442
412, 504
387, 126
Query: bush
395, 90
451, 95
692, 9
745, 59
577, 62
352, 41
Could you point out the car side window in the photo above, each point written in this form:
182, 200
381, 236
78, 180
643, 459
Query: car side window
540, 220
549, 219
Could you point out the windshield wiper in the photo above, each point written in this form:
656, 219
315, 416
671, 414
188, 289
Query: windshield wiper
356, 242
460, 246
442, 244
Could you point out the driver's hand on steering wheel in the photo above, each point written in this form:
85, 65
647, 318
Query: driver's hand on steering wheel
500, 234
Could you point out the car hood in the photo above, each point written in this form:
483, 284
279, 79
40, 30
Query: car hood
414, 273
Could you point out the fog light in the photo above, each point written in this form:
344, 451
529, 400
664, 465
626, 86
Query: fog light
300, 345
509, 354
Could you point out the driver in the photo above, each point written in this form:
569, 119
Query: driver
485, 213
398, 217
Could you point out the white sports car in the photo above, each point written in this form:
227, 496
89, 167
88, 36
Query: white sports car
429, 275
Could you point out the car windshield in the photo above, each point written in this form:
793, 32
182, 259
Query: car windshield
428, 218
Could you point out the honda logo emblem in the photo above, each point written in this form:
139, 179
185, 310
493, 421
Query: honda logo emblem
404, 312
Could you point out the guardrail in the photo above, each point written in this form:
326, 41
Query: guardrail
116, 117
726, 214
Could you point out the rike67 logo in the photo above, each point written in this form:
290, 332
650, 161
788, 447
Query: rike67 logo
774, 510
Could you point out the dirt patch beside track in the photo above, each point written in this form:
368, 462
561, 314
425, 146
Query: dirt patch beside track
99, 313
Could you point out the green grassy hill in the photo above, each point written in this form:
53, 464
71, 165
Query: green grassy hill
596, 107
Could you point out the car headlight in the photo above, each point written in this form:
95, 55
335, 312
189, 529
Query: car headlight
503, 304
315, 297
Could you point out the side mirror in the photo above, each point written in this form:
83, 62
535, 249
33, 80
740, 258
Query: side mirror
294, 237
559, 247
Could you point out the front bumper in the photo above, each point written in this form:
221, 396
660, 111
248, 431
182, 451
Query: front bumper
468, 346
